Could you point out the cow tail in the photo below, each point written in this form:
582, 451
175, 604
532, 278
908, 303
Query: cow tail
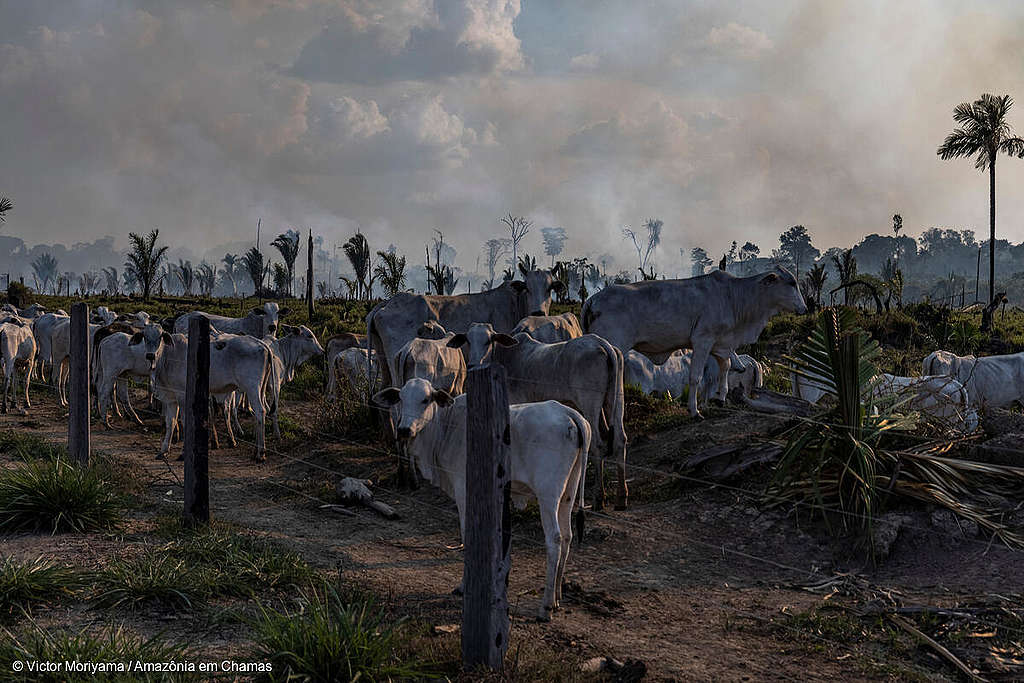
583, 437
271, 382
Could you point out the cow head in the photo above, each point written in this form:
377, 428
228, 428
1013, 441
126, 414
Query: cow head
479, 339
417, 401
431, 330
301, 342
535, 291
269, 314
153, 340
781, 291
103, 315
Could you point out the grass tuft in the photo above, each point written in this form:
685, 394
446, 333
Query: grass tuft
332, 639
29, 447
61, 646
149, 580
56, 496
27, 583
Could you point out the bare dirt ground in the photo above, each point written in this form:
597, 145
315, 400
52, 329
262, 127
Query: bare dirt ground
697, 582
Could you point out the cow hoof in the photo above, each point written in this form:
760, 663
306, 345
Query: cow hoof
544, 616
718, 403
457, 590
697, 416
619, 507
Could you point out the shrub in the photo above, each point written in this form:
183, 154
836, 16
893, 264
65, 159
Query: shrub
56, 496
331, 639
24, 583
19, 295
150, 579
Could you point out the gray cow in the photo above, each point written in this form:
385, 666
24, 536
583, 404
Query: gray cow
550, 328
712, 314
394, 322
258, 322
585, 373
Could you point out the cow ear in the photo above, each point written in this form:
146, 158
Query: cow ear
520, 287
770, 279
558, 286
283, 311
166, 338
387, 397
457, 341
258, 311
442, 397
137, 339
219, 345
504, 340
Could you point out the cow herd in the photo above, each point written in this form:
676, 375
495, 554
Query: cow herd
565, 379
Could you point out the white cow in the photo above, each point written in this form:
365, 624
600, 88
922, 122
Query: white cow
938, 396
297, 345
101, 315
42, 329
334, 347
122, 355
60, 355
991, 381
672, 376
947, 363
18, 349
585, 373
547, 459
429, 357
237, 363
712, 314
351, 364
258, 322
550, 329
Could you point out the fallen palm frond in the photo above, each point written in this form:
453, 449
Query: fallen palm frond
840, 462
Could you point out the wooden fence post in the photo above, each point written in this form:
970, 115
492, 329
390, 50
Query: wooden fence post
485, 617
78, 385
197, 415
309, 278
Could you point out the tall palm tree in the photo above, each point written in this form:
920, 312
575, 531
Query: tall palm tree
44, 268
357, 249
144, 260
256, 268
186, 275
111, 281
846, 266
230, 270
207, 278
288, 244
391, 272
983, 134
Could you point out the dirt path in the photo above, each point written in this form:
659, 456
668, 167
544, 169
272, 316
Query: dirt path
699, 586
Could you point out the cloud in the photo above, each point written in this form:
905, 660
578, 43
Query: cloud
738, 40
585, 62
371, 44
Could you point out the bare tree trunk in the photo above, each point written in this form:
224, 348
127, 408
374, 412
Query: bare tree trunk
992, 228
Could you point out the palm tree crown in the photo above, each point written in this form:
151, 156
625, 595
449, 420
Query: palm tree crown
144, 259
983, 134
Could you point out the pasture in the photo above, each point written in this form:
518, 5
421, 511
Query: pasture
701, 578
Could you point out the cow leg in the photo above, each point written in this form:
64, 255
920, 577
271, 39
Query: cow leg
7, 385
261, 426
553, 546
28, 378
104, 396
701, 351
228, 408
127, 399
170, 420
724, 364
565, 525
212, 418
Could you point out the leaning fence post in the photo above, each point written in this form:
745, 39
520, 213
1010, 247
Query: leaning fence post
197, 413
78, 385
485, 617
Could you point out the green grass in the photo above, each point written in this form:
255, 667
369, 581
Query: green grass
648, 414
54, 496
116, 645
200, 566
24, 583
150, 580
29, 446
331, 638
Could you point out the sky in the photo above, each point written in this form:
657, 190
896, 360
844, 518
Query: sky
726, 120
